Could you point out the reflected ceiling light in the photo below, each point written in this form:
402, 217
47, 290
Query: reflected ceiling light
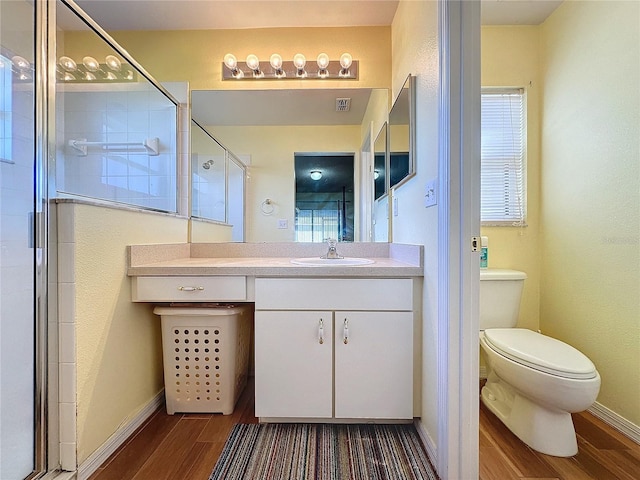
91, 64
297, 68
254, 64
276, 64
20, 63
315, 174
68, 64
113, 62
91, 70
376, 174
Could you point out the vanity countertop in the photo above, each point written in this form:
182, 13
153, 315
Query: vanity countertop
272, 260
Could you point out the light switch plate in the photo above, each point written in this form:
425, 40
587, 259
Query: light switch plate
283, 223
430, 195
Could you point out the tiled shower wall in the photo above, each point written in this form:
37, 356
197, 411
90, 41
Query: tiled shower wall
117, 113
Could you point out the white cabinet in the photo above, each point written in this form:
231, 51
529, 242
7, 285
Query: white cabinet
373, 365
345, 362
294, 373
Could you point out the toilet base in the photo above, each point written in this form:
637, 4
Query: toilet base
548, 431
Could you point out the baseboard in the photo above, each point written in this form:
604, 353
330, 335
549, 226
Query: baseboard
615, 421
97, 458
427, 442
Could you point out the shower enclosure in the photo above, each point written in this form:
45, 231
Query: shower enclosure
22, 261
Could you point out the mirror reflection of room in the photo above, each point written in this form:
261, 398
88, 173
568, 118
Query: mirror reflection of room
324, 197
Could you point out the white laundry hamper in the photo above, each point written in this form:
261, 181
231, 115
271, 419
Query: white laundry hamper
206, 352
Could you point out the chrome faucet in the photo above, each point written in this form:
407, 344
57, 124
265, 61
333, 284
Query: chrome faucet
332, 252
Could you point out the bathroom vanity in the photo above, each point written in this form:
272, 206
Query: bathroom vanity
332, 343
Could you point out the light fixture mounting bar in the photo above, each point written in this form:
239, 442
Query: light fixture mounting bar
334, 71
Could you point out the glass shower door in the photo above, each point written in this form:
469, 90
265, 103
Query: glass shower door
17, 239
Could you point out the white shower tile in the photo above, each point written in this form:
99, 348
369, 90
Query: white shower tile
67, 422
67, 302
67, 383
67, 342
68, 456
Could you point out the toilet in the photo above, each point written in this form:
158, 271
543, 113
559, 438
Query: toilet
534, 382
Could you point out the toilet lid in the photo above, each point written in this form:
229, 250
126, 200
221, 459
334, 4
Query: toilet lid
540, 352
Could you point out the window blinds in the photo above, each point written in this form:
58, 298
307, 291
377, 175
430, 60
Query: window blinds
502, 157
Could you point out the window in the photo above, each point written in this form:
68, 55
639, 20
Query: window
503, 157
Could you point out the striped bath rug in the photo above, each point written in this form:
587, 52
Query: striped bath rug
322, 452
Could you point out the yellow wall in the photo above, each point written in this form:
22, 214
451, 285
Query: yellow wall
415, 50
118, 343
271, 173
590, 296
196, 56
511, 58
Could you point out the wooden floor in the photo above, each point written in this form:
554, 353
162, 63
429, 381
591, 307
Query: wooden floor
186, 447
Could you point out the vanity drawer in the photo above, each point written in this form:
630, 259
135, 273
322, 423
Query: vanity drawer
334, 294
189, 289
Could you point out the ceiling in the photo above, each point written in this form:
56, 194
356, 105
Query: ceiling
234, 14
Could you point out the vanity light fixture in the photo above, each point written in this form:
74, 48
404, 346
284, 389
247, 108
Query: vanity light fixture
231, 63
315, 174
91, 70
276, 63
299, 61
298, 68
323, 63
254, 64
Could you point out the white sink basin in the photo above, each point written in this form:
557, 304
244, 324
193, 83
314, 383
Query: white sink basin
324, 262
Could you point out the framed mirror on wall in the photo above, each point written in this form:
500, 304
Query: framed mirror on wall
380, 215
380, 163
402, 135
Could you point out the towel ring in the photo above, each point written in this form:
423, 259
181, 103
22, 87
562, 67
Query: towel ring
267, 207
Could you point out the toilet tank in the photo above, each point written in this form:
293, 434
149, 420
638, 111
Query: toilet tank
500, 293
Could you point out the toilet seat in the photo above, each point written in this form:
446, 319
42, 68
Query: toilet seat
540, 352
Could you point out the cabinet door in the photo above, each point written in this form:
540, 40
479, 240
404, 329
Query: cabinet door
374, 365
293, 364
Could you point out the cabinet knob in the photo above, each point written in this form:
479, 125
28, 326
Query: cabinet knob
346, 331
320, 332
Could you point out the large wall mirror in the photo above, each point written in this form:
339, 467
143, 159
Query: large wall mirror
402, 135
268, 127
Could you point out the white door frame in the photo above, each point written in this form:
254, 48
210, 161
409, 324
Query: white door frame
459, 220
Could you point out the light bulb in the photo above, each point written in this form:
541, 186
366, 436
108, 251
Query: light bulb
230, 61
323, 61
20, 62
68, 64
89, 76
346, 60
67, 77
253, 63
91, 64
113, 62
111, 76
299, 61
315, 174
276, 61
